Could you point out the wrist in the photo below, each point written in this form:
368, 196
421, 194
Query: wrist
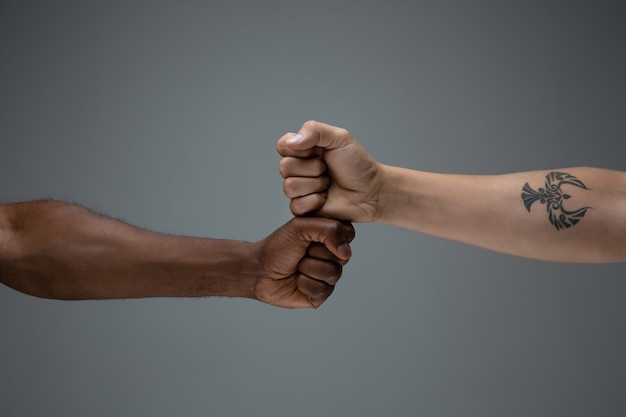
397, 195
245, 270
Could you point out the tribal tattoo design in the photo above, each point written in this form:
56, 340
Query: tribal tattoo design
554, 197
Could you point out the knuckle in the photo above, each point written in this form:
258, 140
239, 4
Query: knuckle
309, 124
343, 132
284, 167
334, 273
290, 187
280, 142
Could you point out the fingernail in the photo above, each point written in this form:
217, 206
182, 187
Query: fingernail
345, 252
294, 139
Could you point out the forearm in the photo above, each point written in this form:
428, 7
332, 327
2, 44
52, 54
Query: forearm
489, 211
58, 250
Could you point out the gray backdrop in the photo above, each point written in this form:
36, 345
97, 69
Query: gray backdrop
165, 114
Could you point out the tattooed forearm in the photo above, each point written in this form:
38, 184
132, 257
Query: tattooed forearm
554, 197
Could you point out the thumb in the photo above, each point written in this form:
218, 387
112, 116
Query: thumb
335, 235
314, 134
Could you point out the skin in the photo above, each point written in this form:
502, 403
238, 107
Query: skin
328, 173
58, 250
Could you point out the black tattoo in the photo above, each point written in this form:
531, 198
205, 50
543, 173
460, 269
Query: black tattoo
553, 197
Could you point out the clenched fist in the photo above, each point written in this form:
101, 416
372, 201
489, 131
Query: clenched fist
302, 261
327, 173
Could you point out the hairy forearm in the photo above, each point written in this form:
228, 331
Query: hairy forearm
588, 224
58, 250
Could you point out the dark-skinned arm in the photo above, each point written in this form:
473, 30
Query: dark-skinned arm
58, 250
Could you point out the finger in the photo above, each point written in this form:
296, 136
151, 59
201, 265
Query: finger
316, 291
335, 235
325, 271
319, 251
286, 295
296, 167
314, 134
301, 206
285, 150
300, 186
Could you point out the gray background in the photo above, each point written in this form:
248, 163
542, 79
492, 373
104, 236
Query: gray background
165, 114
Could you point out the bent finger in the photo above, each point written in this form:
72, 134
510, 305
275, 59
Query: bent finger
300, 186
335, 235
319, 251
299, 167
316, 291
325, 271
301, 206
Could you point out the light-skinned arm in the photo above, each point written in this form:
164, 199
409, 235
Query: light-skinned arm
57, 250
566, 215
